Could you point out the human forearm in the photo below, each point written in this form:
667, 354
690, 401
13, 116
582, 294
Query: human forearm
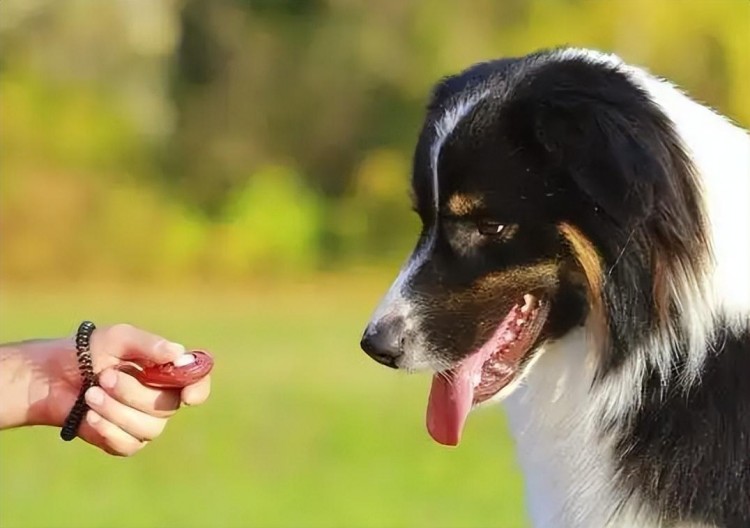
31, 375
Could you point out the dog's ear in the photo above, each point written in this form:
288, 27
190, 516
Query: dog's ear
605, 135
594, 145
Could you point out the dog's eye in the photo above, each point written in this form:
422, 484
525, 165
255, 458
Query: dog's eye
489, 227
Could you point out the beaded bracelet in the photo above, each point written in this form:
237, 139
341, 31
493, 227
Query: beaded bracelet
85, 365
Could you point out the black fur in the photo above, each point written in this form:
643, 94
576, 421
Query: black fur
561, 142
629, 186
689, 453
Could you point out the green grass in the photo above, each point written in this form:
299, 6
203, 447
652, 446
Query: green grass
302, 429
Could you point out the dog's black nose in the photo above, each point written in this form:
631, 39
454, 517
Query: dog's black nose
383, 341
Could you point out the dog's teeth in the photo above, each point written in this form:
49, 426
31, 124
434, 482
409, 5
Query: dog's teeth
528, 302
521, 322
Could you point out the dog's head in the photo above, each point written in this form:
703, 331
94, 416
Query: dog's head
532, 177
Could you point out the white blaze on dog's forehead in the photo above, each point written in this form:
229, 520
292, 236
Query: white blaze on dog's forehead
443, 128
185, 359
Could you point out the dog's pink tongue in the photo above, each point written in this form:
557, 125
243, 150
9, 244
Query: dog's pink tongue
451, 399
448, 407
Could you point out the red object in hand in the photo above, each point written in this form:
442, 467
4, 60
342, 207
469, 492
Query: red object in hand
176, 375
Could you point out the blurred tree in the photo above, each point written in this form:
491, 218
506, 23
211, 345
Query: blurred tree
174, 112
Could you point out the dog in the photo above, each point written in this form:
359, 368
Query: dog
584, 257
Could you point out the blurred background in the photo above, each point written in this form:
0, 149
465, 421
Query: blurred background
233, 175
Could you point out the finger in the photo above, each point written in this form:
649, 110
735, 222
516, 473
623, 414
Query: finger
107, 436
128, 342
129, 391
135, 423
198, 392
91, 436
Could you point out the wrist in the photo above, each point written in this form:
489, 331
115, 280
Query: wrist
54, 383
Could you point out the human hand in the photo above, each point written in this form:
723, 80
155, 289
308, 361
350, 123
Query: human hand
124, 415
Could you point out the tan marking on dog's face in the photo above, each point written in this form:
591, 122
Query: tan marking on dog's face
463, 204
523, 279
591, 265
509, 284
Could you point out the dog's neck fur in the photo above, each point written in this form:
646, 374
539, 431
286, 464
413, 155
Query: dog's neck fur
566, 464
567, 461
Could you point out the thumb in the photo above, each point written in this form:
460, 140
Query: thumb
128, 342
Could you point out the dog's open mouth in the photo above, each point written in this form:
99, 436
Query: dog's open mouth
482, 374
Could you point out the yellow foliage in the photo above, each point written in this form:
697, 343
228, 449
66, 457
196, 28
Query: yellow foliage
272, 225
300, 126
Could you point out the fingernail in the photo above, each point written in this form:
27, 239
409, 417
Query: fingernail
184, 359
174, 349
186, 399
108, 379
93, 418
95, 396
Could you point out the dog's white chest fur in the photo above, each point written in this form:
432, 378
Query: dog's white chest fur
567, 477
566, 459
568, 464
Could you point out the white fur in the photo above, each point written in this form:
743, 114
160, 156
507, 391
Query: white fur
567, 464
567, 473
